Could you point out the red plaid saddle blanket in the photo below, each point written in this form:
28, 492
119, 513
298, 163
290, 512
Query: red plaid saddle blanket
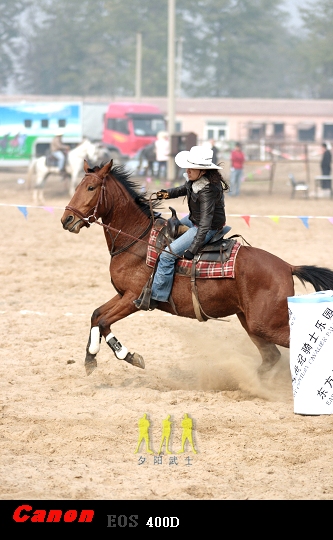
204, 269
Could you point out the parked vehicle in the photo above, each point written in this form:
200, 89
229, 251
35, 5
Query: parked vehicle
121, 128
128, 127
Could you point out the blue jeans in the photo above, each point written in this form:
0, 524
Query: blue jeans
163, 279
235, 181
61, 158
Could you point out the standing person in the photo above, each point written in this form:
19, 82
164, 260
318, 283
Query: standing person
215, 151
204, 188
149, 154
325, 165
59, 149
162, 152
237, 164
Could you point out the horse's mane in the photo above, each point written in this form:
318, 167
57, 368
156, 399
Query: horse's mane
133, 188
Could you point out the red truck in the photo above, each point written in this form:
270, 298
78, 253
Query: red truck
128, 127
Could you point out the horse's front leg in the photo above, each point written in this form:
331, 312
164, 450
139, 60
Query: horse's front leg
38, 191
116, 309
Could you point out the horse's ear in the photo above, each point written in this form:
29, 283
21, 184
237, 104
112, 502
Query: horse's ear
106, 169
85, 166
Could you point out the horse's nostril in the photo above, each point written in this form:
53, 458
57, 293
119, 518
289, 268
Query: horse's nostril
67, 221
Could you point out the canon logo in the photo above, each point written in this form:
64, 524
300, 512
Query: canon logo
25, 512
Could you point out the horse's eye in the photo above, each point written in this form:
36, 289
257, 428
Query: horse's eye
91, 188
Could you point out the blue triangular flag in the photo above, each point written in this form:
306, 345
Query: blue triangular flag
24, 211
305, 220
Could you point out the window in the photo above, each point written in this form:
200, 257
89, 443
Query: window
44, 123
306, 133
328, 132
62, 122
27, 123
278, 131
117, 124
256, 131
217, 130
148, 127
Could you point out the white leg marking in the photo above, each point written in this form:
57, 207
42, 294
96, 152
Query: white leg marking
94, 340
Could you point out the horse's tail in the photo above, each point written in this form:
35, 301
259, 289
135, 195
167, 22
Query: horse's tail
320, 278
31, 171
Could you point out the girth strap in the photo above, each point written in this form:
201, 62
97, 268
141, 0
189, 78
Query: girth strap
195, 297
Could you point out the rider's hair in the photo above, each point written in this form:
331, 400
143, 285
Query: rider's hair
214, 176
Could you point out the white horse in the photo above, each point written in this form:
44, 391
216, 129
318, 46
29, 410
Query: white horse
74, 166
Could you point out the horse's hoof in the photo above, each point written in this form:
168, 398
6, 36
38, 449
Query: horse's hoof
90, 366
135, 359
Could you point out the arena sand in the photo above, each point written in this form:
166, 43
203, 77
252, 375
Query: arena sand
68, 436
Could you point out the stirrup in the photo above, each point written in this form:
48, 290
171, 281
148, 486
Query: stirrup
140, 304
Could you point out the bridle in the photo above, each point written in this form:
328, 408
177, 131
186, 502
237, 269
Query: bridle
88, 219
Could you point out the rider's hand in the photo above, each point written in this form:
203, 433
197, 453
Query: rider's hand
163, 194
188, 255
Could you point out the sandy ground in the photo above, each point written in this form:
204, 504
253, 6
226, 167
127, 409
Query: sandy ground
68, 436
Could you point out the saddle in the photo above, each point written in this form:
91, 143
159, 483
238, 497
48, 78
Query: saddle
218, 248
51, 160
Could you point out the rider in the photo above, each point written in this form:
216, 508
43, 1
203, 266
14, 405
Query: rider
204, 188
59, 149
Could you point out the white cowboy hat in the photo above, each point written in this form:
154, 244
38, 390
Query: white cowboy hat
199, 157
60, 132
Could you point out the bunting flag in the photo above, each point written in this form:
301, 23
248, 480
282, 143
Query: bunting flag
276, 219
305, 220
24, 211
247, 220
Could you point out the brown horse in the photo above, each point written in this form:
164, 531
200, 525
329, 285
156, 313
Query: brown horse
257, 295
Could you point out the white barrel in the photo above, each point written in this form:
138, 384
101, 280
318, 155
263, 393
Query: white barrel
311, 352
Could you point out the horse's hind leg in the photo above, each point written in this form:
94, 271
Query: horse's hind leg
269, 352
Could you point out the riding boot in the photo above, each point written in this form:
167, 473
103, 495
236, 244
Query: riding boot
145, 301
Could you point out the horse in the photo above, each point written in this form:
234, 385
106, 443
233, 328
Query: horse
74, 167
257, 294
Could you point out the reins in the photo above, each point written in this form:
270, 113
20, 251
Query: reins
87, 220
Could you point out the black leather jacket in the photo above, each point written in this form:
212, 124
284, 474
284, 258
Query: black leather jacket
206, 209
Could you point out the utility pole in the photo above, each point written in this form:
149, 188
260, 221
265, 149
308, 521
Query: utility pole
179, 65
138, 66
171, 83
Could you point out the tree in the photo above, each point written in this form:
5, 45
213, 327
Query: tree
238, 48
85, 48
232, 48
316, 50
11, 13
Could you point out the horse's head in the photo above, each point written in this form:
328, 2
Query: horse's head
88, 200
